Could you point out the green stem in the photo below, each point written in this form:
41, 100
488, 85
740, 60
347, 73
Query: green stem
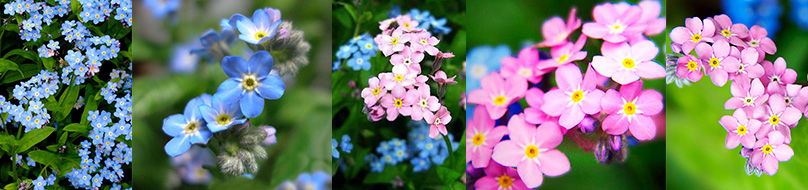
359, 18
448, 144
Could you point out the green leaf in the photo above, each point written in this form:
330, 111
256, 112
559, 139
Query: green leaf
89, 105
63, 139
448, 175
6, 65
67, 101
7, 142
25, 54
42, 156
46, 62
76, 7
11, 186
77, 127
351, 10
33, 137
26, 70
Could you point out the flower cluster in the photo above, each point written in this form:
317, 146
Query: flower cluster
221, 121
358, 52
766, 101
345, 146
425, 20
421, 151
316, 180
405, 91
580, 103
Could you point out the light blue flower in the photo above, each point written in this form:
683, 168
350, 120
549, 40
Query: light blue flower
481, 61
359, 61
346, 145
334, 151
258, 30
39, 183
187, 128
250, 83
419, 164
220, 115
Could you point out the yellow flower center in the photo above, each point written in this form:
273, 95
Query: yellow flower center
398, 103
617, 28
691, 65
742, 130
714, 62
563, 58
577, 96
423, 103
525, 72
628, 63
191, 127
399, 78
696, 37
726, 33
249, 83
499, 100
259, 35
767, 149
376, 91
753, 43
424, 42
478, 139
394, 41
629, 108
532, 151
505, 181
774, 120
223, 119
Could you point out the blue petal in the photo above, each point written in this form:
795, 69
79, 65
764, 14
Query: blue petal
247, 38
245, 26
177, 146
271, 87
209, 114
235, 18
209, 38
228, 36
192, 109
174, 125
202, 137
206, 98
234, 66
260, 64
229, 91
261, 19
252, 105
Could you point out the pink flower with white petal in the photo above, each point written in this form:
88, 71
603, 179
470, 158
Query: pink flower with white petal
424, 42
748, 66
524, 65
689, 67
733, 33
695, 32
534, 114
423, 102
375, 113
397, 103
441, 78
408, 59
394, 42
374, 91
497, 94
776, 116
759, 41
563, 54
777, 75
626, 63
501, 178
385, 24
574, 98
420, 80
406, 22
718, 60
631, 109
400, 77
438, 121
613, 25
769, 151
740, 129
532, 151
555, 31
747, 94
481, 137
650, 15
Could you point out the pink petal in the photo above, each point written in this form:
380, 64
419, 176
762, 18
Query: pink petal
571, 117
650, 70
694, 24
568, 76
783, 152
591, 101
553, 163
508, 153
748, 141
555, 101
644, 50
548, 135
530, 173
650, 102
732, 140
595, 30
486, 182
680, 35
719, 77
643, 129
627, 76
615, 124
749, 55
611, 101
768, 46
604, 66
481, 157
769, 164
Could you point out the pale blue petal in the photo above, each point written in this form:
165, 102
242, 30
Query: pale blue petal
271, 87
260, 64
192, 109
229, 91
202, 137
174, 125
177, 146
252, 105
247, 38
235, 18
209, 38
209, 114
234, 66
261, 19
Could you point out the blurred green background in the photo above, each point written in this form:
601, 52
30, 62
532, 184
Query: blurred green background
354, 172
301, 116
696, 156
515, 23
